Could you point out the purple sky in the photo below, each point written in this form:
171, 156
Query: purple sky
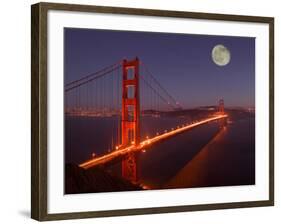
182, 63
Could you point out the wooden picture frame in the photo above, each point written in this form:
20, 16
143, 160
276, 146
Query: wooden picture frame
39, 105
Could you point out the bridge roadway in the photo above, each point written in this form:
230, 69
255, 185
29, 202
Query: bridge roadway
144, 144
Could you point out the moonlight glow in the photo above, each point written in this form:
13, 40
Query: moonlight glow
220, 55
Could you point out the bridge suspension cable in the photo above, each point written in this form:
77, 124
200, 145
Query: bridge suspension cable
155, 91
169, 96
91, 77
98, 95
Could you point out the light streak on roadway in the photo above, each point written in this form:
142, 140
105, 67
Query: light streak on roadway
149, 141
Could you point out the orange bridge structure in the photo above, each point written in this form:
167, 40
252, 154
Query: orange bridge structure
81, 103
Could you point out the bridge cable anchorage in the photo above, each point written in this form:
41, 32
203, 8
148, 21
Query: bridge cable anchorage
89, 78
161, 87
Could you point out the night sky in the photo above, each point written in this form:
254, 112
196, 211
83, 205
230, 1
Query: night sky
182, 63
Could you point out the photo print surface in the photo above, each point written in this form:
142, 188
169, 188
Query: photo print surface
148, 111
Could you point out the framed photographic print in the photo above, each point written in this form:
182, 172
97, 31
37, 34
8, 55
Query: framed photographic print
138, 111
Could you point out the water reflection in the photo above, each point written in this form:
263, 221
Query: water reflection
204, 156
224, 161
197, 171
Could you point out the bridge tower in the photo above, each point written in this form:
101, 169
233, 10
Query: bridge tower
221, 106
130, 125
223, 122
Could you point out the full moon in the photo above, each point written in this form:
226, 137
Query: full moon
220, 55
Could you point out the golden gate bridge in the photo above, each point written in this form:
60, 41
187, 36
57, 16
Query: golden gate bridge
128, 91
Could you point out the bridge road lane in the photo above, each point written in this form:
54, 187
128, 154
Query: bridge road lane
144, 144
